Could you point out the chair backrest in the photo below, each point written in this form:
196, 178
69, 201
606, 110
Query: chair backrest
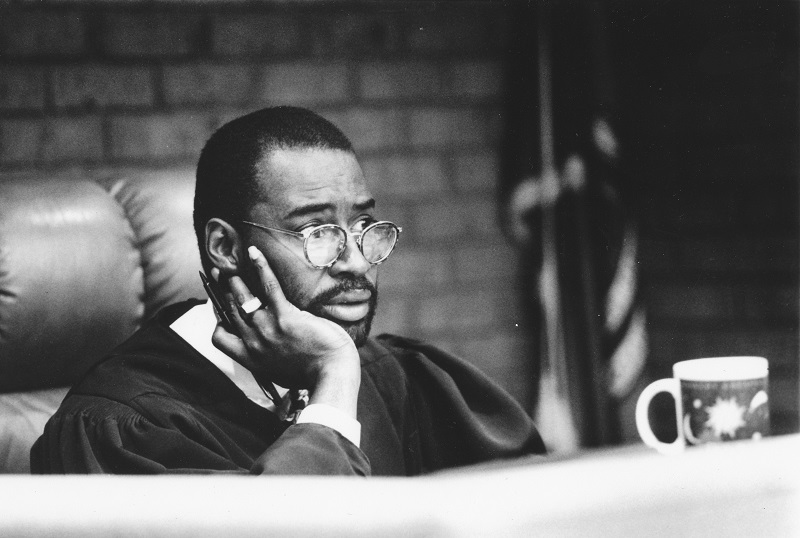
83, 262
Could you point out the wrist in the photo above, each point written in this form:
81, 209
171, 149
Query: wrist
337, 384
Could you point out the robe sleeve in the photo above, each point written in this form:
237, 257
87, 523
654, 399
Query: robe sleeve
312, 449
110, 437
462, 417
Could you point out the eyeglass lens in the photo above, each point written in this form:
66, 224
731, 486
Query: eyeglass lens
326, 244
378, 242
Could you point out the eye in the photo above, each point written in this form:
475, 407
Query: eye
362, 223
307, 226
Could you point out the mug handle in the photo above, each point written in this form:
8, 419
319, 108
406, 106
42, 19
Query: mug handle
672, 386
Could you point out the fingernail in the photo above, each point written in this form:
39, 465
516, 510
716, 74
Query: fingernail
253, 252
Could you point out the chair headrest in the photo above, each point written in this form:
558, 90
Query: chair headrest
82, 263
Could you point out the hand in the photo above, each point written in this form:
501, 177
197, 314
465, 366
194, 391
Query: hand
289, 346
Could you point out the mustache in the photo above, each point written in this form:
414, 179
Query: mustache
345, 285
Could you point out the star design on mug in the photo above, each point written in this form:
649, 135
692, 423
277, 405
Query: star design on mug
725, 416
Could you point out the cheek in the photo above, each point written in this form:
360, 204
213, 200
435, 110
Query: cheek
299, 281
372, 275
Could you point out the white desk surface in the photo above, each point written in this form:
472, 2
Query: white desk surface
736, 489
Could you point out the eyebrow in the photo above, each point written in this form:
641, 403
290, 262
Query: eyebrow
310, 209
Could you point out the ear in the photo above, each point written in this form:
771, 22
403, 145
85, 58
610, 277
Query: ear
224, 246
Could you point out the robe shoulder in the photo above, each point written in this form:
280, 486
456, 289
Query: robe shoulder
461, 415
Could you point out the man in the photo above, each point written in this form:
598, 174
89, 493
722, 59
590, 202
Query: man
287, 233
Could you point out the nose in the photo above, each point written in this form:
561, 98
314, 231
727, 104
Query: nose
351, 260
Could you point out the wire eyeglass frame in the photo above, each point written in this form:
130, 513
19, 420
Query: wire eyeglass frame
307, 233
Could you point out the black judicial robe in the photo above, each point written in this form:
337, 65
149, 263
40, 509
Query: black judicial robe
155, 405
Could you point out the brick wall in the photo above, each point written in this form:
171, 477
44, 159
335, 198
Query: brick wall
418, 90
714, 147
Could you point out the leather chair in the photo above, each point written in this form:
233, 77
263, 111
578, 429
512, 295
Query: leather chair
84, 260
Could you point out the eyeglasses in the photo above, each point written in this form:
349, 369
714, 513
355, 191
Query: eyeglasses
324, 244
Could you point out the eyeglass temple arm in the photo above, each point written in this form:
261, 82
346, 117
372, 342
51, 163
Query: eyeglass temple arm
287, 232
298, 234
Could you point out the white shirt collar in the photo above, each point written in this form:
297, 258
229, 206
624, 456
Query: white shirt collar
196, 327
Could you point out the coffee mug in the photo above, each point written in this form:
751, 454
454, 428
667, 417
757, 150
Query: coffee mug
716, 399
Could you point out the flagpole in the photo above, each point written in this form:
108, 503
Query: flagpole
574, 381
558, 396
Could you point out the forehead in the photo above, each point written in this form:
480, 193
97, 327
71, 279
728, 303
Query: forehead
293, 178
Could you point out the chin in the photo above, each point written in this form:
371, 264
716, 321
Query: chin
359, 331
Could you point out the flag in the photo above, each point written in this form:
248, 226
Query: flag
562, 188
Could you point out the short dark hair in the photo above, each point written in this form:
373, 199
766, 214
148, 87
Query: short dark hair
226, 181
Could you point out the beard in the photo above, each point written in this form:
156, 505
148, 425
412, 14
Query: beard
358, 330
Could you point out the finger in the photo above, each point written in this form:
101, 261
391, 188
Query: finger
241, 292
231, 345
236, 295
242, 295
236, 349
273, 292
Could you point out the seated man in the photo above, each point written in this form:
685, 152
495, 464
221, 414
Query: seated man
288, 236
